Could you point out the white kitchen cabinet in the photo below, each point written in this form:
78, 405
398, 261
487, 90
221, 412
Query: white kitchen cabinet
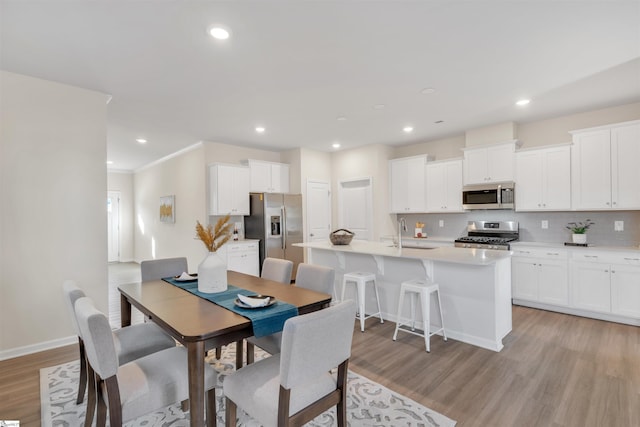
543, 179
625, 289
269, 177
407, 190
444, 186
591, 288
495, 163
228, 190
604, 163
241, 257
540, 276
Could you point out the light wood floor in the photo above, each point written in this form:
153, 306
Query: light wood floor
555, 370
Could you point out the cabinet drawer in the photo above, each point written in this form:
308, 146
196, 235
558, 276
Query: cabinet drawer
608, 257
547, 253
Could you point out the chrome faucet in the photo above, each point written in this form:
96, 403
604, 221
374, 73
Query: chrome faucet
402, 226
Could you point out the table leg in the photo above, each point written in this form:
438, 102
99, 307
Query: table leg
195, 351
239, 355
125, 311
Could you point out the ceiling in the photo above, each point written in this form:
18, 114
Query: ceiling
295, 67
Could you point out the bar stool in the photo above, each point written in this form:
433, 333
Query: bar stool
361, 279
423, 288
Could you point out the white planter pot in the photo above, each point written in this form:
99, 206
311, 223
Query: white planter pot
579, 238
212, 274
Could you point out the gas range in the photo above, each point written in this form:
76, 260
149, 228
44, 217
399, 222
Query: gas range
489, 235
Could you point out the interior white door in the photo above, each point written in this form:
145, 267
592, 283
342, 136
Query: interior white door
355, 210
318, 210
113, 226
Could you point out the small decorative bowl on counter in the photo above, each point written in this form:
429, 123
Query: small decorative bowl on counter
341, 236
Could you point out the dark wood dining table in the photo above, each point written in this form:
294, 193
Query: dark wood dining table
201, 325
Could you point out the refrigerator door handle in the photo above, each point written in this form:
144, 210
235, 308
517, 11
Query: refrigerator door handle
283, 211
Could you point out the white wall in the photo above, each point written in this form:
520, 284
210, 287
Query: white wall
123, 183
369, 161
53, 215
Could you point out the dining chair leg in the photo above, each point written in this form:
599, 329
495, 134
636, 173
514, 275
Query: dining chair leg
184, 405
250, 353
230, 415
218, 352
83, 372
91, 396
239, 355
212, 420
101, 417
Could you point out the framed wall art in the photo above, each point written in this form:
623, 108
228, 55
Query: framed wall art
168, 209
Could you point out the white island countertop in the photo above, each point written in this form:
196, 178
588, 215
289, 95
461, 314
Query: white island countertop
442, 254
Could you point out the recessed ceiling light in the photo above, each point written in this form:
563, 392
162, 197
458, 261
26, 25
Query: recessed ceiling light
260, 129
109, 162
523, 102
379, 106
219, 33
335, 145
427, 90
407, 129
341, 118
141, 140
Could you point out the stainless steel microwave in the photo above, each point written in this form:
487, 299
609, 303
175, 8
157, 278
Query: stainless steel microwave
499, 195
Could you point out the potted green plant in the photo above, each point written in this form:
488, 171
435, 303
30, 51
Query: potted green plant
579, 230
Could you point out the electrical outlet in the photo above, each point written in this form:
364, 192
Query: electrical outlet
618, 226
441, 223
544, 224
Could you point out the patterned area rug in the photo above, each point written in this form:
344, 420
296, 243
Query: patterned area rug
368, 403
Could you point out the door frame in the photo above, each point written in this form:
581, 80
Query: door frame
110, 231
308, 209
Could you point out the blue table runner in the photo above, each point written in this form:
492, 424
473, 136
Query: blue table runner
265, 321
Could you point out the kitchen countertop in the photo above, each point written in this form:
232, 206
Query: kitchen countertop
444, 254
517, 244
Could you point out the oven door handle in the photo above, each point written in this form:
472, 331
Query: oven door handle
499, 195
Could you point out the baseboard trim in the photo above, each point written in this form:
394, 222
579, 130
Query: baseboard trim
36, 348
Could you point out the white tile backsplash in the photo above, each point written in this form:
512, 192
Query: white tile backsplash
602, 233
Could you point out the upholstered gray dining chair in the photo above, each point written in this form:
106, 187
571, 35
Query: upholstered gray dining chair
315, 277
138, 387
132, 342
278, 270
295, 386
158, 268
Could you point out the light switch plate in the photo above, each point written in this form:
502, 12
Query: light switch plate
544, 224
441, 223
618, 226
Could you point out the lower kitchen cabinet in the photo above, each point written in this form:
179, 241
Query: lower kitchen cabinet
242, 257
540, 276
587, 282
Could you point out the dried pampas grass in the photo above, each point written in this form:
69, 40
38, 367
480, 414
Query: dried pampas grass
214, 237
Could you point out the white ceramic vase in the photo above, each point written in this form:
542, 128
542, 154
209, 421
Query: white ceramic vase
579, 238
212, 274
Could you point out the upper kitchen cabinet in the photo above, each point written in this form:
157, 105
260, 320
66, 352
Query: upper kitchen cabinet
604, 164
228, 190
543, 179
494, 163
444, 186
269, 177
407, 184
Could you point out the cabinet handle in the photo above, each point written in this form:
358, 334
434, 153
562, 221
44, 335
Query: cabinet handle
553, 253
524, 252
613, 271
615, 203
606, 271
608, 203
591, 256
632, 259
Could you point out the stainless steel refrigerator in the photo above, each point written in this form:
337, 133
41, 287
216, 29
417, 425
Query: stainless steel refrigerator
276, 219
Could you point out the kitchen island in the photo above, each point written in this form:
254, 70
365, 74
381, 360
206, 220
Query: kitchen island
475, 284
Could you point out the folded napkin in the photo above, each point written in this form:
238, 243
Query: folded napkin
185, 276
253, 301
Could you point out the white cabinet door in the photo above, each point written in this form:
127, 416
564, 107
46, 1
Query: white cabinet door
625, 290
444, 186
500, 163
475, 166
556, 178
524, 278
407, 184
591, 170
229, 190
529, 181
553, 282
242, 257
625, 167
280, 177
590, 286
